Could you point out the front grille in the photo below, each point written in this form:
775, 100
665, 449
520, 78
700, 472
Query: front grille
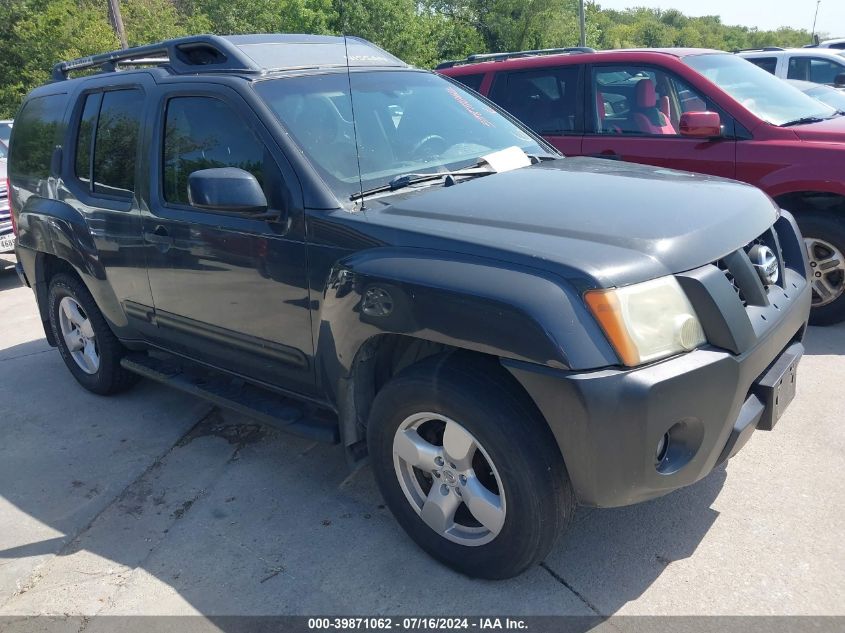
743, 276
721, 265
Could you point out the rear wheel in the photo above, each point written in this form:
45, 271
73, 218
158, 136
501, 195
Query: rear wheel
468, 468
824, 237
88, 347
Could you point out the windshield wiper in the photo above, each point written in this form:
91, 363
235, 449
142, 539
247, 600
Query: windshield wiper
802, 121
408, 180
539, 158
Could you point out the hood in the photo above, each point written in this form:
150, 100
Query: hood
617, 223
828, 131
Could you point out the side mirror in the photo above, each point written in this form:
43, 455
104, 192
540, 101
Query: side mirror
701, 124
839, 80
226, 190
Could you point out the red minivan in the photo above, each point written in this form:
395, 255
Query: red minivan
690, 109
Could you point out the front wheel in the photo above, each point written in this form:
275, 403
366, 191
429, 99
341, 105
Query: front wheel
824, 237
468, 468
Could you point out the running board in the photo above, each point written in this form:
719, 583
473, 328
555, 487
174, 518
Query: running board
231, 393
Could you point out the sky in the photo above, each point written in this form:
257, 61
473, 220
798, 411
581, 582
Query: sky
764, 14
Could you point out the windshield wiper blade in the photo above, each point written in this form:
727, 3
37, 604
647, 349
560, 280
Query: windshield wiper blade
539, 158
408, 180
802, 121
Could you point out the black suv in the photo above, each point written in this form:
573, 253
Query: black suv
308, 230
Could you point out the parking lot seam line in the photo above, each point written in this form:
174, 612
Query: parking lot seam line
43, 351
37, 574
574, 591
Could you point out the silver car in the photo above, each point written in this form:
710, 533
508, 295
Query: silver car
827, 95
5, 131
7, 237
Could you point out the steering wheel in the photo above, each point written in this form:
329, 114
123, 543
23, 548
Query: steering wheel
430, 143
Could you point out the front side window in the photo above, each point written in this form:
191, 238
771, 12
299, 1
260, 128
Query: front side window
205, 133
405, 121
545, 100
640, 100
116, 142
762, 94
815, 69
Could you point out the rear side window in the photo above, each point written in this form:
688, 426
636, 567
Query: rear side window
471, 81
85, 138
546, 99
219, 137
38, 130
769, 64
116, 142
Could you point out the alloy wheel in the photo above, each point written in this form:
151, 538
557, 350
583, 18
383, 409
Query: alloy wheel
827, 271
78, 334
449, 479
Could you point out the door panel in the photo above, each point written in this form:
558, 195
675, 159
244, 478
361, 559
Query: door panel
105, 132
636, 117
228, 289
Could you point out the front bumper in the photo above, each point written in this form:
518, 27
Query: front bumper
608, 422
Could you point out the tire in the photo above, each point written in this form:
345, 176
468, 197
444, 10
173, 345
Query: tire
824, 236
107, 376
521, 525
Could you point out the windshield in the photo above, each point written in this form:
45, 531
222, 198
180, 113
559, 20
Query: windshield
766, 96
404, 122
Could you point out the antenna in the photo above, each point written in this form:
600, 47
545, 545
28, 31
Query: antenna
815, 17
352, 106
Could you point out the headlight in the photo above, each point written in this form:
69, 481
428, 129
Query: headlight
647, 321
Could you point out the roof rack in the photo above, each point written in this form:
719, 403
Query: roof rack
498, 57
766, 49
184, 54
255, 54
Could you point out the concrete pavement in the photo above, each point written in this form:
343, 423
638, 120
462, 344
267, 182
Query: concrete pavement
155, 503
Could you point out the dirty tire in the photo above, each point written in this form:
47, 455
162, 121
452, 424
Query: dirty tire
538, 499
109, 377
830, 229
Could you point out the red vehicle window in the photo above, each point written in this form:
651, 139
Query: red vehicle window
545, 99
639, 100
471, 81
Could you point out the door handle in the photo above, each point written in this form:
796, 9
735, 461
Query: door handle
159, 236
608, 154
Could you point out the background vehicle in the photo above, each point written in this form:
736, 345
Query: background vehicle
819, 65
826, 94
5, 131
837, 43
704, 111
7, 237
377, 257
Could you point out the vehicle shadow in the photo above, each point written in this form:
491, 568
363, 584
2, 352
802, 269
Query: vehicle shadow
825, 341
614, 555
235, 518
8, 277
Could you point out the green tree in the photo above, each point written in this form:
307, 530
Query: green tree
35, 34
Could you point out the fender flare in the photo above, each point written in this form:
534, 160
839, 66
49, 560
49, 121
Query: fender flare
51, 227
465, 302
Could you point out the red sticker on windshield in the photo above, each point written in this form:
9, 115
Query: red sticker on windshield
457, 96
